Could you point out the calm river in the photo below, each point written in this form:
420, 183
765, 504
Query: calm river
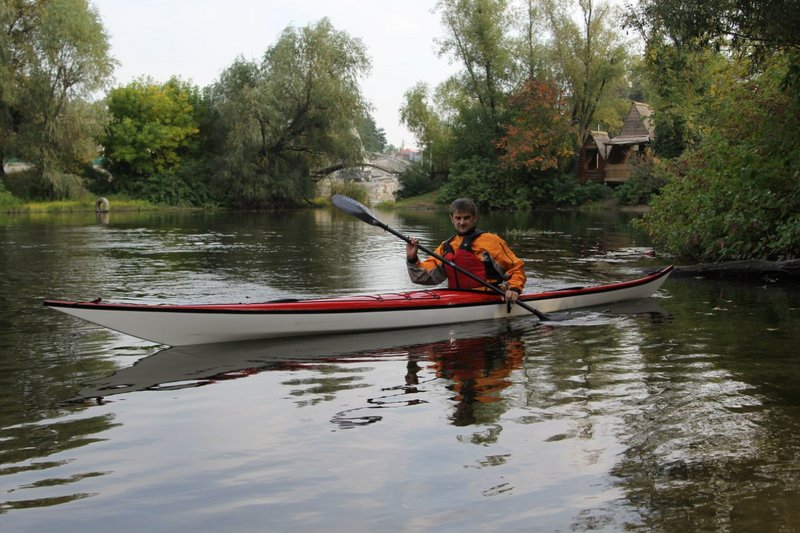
679, 414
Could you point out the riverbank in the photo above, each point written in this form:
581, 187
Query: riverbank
428, 201
83, 205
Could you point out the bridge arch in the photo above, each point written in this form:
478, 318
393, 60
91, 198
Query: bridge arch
383, 162
378, 173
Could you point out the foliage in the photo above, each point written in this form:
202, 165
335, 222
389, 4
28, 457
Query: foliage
426, 119
737, 194
475, 34
354, 190
566, 190
681, 83
540, 135
492, 187
590, 59
757, 29
153, 147
7, 200
151, 127
486, 184
292, 112
646, 178
52, 56
530, 51
416, 180
503, 137
372, 137
64, 185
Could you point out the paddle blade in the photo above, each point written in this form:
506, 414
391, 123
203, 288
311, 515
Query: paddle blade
355, 208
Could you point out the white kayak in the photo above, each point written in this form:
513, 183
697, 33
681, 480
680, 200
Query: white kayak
178, 325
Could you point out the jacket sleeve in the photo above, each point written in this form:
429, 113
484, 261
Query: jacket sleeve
428, 272
502, 255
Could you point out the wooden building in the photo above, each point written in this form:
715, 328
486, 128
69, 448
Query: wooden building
605, 160
592, 159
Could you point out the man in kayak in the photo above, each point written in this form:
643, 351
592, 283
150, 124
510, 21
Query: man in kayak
483, 254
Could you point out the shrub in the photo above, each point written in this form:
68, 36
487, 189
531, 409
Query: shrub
416, 180
646, 179
567, 190
486, 184
354, 190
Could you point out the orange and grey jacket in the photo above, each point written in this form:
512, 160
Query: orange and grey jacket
483, 254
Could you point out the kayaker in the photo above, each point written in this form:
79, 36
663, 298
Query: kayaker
485, 255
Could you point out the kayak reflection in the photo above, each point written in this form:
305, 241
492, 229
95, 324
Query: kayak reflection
475, 360
198, 365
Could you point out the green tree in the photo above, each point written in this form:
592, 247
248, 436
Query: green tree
151, 125
736, 194
507, 48
372, 137
153, 131
590, 59
53, 56
426, 119
476, 35
530, 48
293, 112
756, 29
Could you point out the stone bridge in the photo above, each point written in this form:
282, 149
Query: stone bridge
384, 162
378, 173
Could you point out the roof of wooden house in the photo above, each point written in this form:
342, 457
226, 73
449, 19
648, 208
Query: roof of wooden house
600, 139
638, 127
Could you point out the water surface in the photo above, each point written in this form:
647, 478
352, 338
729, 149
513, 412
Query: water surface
677, 414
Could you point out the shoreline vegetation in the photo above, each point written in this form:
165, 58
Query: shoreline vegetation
528, 122
84, 205
744, 270
423, 202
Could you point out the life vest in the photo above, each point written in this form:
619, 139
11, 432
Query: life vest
464, 258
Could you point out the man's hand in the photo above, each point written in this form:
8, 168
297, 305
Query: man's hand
412, 248
511, 296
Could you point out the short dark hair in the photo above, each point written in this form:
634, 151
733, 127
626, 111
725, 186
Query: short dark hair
463, 205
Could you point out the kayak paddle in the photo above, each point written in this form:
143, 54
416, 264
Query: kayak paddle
360, 211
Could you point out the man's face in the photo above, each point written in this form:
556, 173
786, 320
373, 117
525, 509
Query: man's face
464, 222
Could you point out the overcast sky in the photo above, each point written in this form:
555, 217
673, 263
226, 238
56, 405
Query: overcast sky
197, 39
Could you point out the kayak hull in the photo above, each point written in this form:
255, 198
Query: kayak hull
178, 325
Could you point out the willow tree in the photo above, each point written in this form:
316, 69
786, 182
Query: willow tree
53, 56
295, 111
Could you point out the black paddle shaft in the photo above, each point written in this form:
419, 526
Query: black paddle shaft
361, 212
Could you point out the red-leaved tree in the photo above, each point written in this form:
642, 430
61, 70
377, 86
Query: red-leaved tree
540, 137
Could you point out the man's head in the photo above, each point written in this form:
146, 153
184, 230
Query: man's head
464, 215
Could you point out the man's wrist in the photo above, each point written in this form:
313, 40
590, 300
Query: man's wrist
412, 260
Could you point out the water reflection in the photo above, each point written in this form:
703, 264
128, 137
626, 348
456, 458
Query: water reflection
686, 419
461, 353
709, 434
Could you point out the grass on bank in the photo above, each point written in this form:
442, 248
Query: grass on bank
427, 201
12, 205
